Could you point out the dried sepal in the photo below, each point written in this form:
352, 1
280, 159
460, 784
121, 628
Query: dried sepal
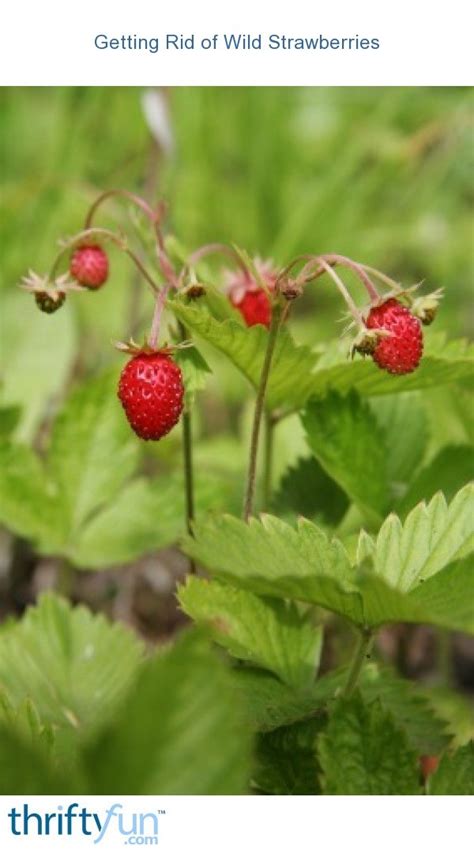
426, 307
49, 295
133, 348
366, 341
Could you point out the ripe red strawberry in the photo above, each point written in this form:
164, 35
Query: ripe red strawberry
90, 266
255, 308
151, 392
249, 298
399, 352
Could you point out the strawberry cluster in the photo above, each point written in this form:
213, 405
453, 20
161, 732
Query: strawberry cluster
151, 386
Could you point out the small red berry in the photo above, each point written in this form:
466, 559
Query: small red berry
428, 765
90, 266
255, 308
401, 350
151, 392
249, 297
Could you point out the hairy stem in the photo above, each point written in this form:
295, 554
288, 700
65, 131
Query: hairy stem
360, 654
211, 249
277, 317
268, 458
157, 315
154, 216
343, 290
356, 268
188, 465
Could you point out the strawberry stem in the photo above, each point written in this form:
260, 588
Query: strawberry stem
356, 268
188, 464
278, 315
270, 423
157, 315
211, 249
154, 216
343, 290
106, 235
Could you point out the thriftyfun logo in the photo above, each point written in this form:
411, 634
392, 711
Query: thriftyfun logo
136, 828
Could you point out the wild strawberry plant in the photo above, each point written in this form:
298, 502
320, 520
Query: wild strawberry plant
365, 529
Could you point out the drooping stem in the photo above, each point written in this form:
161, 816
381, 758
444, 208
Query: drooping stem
160, 300
268, 458
155, 217
188, 469
211, 249
277, 318
343, 290
356, 268
382, 277
107, 235
360, 654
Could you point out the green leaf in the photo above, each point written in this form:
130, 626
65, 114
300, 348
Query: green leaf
432, 536
178, 732
40, 352
455, 774
290, 380
362, 751
268, 704
25, 770
306, 489
346, 439
146, 516
450, 469
9, 417
406, 575
270, 557
271, 705
28, 504
92, 451
426, 732
403, 422
265, 632
195, 370
447, 598
286, 759
25, 722
75, 666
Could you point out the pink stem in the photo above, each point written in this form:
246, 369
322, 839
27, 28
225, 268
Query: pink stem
343, 290
210, 249
356, 268
157, 314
